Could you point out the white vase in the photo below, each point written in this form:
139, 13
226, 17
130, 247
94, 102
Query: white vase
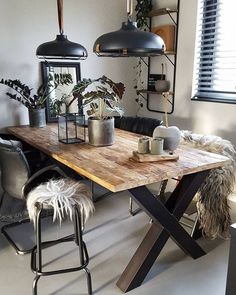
162, 85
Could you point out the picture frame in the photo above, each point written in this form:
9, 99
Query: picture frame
59, 67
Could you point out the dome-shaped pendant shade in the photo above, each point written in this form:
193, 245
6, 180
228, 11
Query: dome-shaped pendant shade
129, 41
61, 48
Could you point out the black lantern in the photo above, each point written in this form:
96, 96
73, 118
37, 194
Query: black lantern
61, 47
129, 41
71, 128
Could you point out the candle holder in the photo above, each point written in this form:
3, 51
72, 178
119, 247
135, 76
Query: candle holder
71, 128
143, 145
157, 146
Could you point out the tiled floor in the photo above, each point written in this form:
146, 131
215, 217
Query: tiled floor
112, 235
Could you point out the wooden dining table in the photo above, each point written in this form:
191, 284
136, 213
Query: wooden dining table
112, 168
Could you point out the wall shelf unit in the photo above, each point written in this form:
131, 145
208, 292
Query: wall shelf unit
172, 16
163, 11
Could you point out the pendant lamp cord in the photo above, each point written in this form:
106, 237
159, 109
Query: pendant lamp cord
129, 9
60, 16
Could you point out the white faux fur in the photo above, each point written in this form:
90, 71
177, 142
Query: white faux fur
61, 195
212, 197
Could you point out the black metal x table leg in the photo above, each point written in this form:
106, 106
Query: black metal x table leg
165, 225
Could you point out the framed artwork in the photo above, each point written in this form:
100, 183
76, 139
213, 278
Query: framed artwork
62, 90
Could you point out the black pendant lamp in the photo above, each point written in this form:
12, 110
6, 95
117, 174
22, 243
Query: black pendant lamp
61, 47
129, 41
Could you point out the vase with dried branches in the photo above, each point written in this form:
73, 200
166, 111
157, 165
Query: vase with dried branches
35, 102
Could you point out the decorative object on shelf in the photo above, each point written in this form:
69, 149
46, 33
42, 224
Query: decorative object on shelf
167, 33
102, 96
171, 135
36, 103
71, 128
129, 41
143, 145
152, 78
162, 85
61, 100
61, 47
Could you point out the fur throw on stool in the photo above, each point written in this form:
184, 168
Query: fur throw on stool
61, 195
212, 197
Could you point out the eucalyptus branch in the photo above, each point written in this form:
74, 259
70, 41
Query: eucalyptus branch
44, 98
72, 100
15, 87
23, 92
45, 90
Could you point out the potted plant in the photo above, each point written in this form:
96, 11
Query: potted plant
142, 9
36, 102
103, 96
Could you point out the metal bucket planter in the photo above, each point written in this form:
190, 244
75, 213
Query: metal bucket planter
101, 132
37, 117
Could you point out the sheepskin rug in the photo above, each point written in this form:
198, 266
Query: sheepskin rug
61, 195
212, 197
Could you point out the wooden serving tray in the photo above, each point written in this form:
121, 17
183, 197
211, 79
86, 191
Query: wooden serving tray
153, 158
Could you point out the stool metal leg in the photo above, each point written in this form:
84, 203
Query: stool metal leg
82, 246
39, 240
78, 233
35, 282
89, 281
39, 249
36, 257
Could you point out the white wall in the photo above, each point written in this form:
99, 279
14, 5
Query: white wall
201, 117
24, 24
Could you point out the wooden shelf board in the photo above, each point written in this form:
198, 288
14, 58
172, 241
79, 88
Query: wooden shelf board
152, 92
169, 52
162, 11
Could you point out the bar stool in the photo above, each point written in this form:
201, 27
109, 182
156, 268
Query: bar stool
67, 198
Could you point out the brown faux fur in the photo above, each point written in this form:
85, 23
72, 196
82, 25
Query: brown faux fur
212, 197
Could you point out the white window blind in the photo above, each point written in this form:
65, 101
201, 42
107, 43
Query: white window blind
215, 58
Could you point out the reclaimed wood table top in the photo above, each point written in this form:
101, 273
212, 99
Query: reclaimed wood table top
111, 166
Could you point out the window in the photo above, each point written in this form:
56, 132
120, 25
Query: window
215, 58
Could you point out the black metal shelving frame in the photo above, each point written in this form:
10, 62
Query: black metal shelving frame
146, 93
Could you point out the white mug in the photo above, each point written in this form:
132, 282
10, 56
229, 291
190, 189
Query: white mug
157, 146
